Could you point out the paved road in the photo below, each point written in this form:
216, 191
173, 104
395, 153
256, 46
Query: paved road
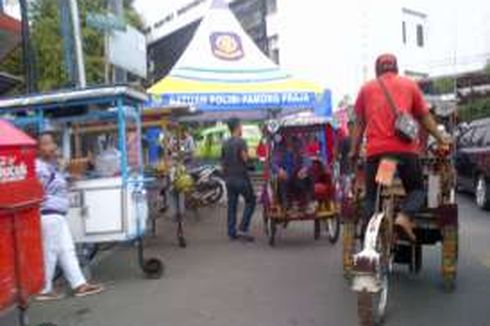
298, 283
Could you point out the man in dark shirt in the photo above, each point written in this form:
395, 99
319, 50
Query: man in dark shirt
234, 160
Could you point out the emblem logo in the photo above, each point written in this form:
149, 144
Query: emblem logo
227, 46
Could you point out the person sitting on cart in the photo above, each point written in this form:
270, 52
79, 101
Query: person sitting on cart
292, 170
58, 246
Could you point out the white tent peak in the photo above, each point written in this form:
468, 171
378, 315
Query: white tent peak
223, 68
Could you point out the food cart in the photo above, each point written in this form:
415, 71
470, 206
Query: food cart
21, 255
100, 131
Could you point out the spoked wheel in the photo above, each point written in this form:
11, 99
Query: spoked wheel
333, 228
317, 229
180, 233
449, 256
153, 268
217, 192
416, 259
371, 307
348, 247
265, 220
272, 232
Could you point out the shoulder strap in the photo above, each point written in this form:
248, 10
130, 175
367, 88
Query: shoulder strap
388, 97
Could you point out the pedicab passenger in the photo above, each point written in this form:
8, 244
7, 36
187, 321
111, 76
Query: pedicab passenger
292, 170
58, 246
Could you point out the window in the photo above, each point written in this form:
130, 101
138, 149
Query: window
271, 6
273, 47
478, 136
404, 32
465, 139
275, 55
486, 139
420, 36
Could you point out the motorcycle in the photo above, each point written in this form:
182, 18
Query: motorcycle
208, 187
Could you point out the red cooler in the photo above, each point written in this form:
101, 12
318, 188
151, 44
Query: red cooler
21, 259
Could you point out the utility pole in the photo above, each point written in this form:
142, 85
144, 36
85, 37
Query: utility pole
27, 54
82, 82
68, 42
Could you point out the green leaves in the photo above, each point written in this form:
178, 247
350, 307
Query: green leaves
48, 44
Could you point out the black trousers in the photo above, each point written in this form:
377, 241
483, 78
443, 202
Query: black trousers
410, 172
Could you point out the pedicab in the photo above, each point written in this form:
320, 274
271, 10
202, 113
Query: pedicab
322, 207
371, 248
100, 132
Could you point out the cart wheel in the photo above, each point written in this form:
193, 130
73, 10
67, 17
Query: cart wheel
272, 232
449, 256
182, 242
317, 229
265, 220
333, 228
371, 307
153, 268
348, 247
416, 259
180, 234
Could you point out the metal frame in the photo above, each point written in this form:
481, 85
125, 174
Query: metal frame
118, 97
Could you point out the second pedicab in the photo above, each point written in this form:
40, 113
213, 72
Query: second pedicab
313, 136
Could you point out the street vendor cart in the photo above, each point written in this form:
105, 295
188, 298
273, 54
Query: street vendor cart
21, 255
100, 131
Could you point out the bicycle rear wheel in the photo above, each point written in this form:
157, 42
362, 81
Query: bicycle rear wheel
371, 307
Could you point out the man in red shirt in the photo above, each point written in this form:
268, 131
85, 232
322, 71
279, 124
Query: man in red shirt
375, 117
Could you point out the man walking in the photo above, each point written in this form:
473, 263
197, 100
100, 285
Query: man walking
234, 161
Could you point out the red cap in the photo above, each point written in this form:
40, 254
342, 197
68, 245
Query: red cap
386, 63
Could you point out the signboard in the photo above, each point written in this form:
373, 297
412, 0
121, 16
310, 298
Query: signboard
127, 50
105, 22
238, 101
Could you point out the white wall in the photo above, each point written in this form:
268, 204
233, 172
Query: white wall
332, 42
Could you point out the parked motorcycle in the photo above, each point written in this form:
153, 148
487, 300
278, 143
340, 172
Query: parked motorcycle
208, 188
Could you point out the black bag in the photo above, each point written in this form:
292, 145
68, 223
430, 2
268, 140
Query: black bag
406, 128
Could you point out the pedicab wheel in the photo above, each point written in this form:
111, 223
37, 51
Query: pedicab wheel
182, 242
317, 229
153, 268
348, 247
371, 307
333, 228
416, 259
265, 219
449, 257
272, 232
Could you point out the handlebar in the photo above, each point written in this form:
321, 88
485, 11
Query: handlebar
440, 151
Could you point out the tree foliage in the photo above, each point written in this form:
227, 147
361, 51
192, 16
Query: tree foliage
487, 68
475, 109
47, 43
444, 85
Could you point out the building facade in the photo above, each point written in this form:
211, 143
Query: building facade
168, 36
335, 45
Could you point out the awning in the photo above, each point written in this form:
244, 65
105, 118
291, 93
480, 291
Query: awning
222, 69
10, 34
